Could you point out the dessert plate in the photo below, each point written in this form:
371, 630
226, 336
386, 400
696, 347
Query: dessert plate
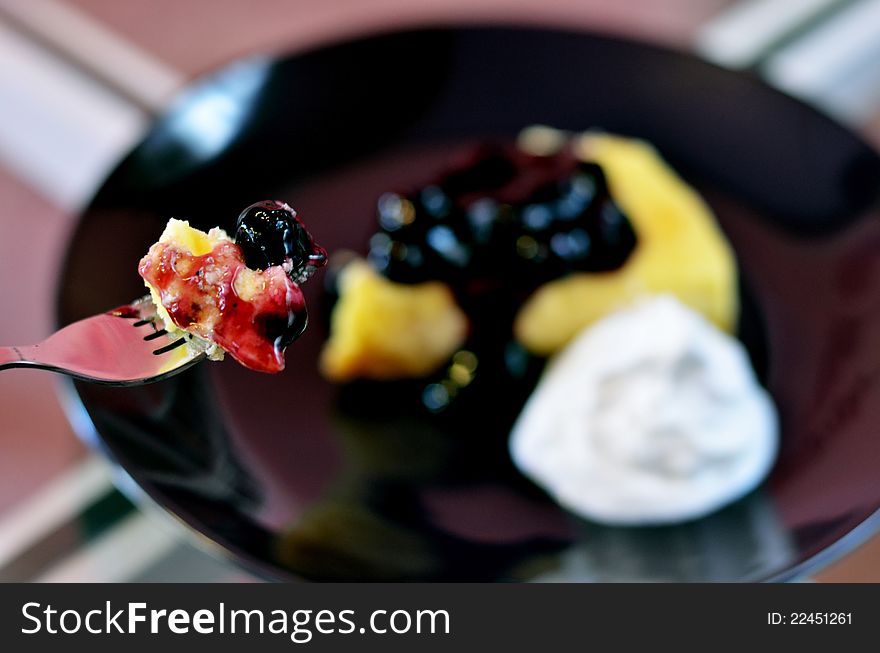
294, 479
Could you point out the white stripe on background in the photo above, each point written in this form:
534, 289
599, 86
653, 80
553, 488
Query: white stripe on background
844, 50
855, 98
60, 130
737, 36
134, 544
60, 501
96, 48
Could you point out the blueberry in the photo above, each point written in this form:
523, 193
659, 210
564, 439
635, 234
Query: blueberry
537, 217
436, 203
444, 241
482, 217
591, 179
581, 187
395, 211
269, 233
615, 227
571, 246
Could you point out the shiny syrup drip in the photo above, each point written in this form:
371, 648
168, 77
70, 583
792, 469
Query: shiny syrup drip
495, 226
199, 294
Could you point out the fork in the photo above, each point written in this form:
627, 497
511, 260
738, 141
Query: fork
125, 346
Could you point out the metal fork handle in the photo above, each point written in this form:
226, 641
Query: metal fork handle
12, 357
121, 347
17, 357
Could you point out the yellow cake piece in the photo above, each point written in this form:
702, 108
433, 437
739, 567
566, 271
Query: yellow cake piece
192, 240
680, 250
386, 330
198, 243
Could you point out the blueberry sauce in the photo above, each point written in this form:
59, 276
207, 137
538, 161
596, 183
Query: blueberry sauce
502, 218
495, 226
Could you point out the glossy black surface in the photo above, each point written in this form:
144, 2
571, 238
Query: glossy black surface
300, 481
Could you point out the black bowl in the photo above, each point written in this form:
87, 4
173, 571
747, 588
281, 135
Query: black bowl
275, 472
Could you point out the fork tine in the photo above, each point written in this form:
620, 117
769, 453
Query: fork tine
174, 345
155, 334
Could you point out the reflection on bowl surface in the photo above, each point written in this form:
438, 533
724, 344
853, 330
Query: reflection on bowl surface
300, 479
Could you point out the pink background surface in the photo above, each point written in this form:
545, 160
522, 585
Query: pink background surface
199, 34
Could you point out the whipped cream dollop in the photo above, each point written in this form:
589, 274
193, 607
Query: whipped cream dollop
650, 416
